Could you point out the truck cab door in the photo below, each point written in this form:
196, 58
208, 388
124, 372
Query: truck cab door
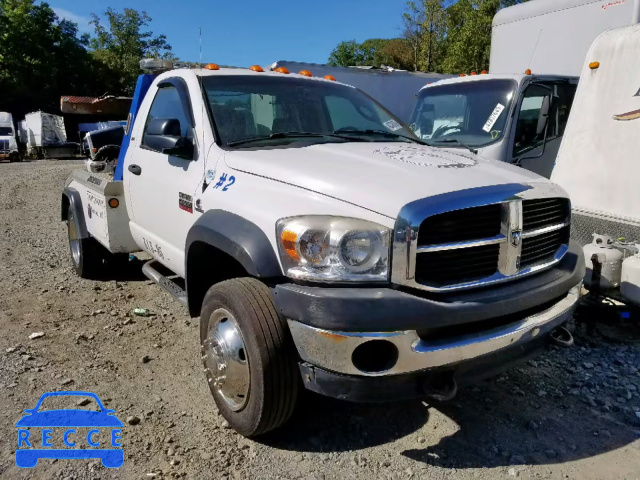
163, 170
541, 117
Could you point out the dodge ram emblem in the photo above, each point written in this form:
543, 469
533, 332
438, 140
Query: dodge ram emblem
516, 238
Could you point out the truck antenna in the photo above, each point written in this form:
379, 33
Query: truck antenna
535, 47
204, 184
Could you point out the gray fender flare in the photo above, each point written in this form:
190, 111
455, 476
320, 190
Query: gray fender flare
71, 198
235, 236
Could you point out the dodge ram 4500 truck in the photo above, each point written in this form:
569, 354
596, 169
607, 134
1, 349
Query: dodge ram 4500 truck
321, 243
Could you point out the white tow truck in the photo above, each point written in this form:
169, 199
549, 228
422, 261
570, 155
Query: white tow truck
322, 244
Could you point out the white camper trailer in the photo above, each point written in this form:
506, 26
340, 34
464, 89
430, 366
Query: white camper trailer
47, 137
598, 159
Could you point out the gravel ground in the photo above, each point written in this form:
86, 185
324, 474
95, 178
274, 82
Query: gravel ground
571, 413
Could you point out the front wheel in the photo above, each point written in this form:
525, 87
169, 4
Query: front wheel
249, 356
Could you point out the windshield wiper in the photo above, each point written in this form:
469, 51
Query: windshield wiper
457, 142
275, 136
381, 133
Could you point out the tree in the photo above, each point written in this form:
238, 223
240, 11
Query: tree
122, 43
345, 54
414, 19
41, 58
449, 36
374, 52
433, 34
397, 53
468, 42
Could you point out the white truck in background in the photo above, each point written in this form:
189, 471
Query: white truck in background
518, 112
8, 144
322, 244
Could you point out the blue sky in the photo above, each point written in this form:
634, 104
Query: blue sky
247, 32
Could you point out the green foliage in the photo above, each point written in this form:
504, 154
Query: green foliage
119, 46
439, 36
43, 58
376, 52
40, 56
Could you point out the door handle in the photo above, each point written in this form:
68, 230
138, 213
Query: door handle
135, 169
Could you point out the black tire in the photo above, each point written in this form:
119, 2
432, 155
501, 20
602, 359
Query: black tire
271, 355
14, 157
86, 253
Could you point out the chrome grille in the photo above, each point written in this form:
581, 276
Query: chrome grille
461, 225
4, 145
447, 267
475, 246
545, 211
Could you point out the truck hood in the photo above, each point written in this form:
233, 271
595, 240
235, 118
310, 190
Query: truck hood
382, 177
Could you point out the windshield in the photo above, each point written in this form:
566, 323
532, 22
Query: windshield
467, 113
6, 131
254, 111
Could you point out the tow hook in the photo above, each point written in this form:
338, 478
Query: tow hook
443, 389
561, 337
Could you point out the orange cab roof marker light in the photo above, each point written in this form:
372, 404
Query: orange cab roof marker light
463, 74
212, 66
305, 73
256, 68
473, 73
282, 70
483, 72
527, 71
594, 65
330, 77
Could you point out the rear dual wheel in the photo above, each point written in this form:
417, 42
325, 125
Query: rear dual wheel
249, 356
87, 255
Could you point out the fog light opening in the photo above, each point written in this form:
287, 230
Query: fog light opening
375, 356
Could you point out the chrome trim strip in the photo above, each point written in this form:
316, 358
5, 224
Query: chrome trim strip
542, 231
510, 251
457, 246
332, 350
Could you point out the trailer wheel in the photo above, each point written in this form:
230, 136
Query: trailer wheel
249, 358
86, 255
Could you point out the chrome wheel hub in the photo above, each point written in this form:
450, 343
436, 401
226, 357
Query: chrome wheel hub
74, 241
225, 360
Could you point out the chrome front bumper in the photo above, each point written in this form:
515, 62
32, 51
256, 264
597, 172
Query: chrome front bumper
333, 350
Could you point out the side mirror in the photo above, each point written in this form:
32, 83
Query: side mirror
183, 148
164, 135
547, 109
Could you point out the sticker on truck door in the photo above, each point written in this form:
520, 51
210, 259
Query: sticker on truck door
493, 118
185, 202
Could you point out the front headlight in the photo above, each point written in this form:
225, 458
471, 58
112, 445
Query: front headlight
323, 248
